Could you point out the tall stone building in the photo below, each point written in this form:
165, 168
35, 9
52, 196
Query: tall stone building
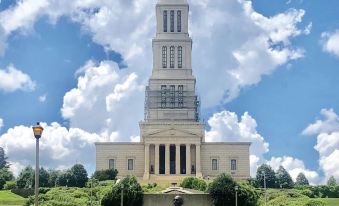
172, 140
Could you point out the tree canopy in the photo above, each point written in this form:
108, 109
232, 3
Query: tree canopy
270, 177
301, 180
332, 181
284, 179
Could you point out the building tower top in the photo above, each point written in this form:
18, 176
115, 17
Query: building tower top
172, 2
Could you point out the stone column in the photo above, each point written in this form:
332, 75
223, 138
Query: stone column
198, 161
156, 160
188, 159
177, 159
146, 174
167, 159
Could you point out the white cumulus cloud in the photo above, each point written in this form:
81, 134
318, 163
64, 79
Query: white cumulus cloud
107, 100
294, 166
327, 131
226, 126
59, 147
330, 42
12, 79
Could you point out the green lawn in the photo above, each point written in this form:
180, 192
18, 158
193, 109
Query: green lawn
8, 198
331, 201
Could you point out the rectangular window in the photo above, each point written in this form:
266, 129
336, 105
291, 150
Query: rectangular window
172, 21
172, 57
179, 21
214, 164
111, 164
180, 96
233, 164
164, 57
130, 164
165, 21
172, 96
179, 57
163, 96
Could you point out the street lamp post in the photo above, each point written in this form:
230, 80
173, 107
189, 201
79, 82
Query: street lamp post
236, 188
37, 130
122, 195
263, 173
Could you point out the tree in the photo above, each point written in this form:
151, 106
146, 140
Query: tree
66, 179
103, 175
53, 176
2, 183
25, 179
301, 180
43, 178
194, 183
3, 159
332, 181
133, 193
80, 174
284, 179
6, 174
271, 180
222, 191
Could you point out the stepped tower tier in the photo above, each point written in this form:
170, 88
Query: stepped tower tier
171, 91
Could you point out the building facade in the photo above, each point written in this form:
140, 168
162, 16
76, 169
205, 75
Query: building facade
172, 136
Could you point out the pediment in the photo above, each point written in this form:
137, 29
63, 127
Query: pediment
172, 132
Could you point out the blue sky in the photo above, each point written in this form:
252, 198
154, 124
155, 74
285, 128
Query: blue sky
56, 49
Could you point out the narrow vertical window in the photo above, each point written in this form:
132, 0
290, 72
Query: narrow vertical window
180, 96
165, 21
130, 164
214, 164
172, 21
163, 96
111, 164
179, 57
172, 96
179, 21
172, 57
233, 164
164, 57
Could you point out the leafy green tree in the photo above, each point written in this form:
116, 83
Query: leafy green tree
133, 193
194, 183
43, 178
284, 179
222, 191
270, 177
2, 183
302, 180
331, 181
25, 179
66, 179
103, 175
53, 176
80, 175
3, 159
6, 174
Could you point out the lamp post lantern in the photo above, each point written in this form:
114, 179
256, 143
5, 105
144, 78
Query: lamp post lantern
236, 188
37, 130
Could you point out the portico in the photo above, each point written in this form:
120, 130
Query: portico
172, 159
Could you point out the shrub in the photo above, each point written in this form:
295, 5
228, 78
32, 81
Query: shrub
10, 185
194, 183
222, 191
133, 193
103, 175
2, 183
315, 203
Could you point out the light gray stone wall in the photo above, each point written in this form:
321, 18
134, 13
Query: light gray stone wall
224, 152
121, 152
167, 199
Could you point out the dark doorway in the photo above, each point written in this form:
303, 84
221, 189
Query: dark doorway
161, 159
172, 159
182, 159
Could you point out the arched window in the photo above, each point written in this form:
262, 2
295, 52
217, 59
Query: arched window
172, 21
179, 21
165, 21
179, 57
164, 57
172, 57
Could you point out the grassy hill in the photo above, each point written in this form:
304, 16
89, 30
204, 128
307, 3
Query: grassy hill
8, 198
